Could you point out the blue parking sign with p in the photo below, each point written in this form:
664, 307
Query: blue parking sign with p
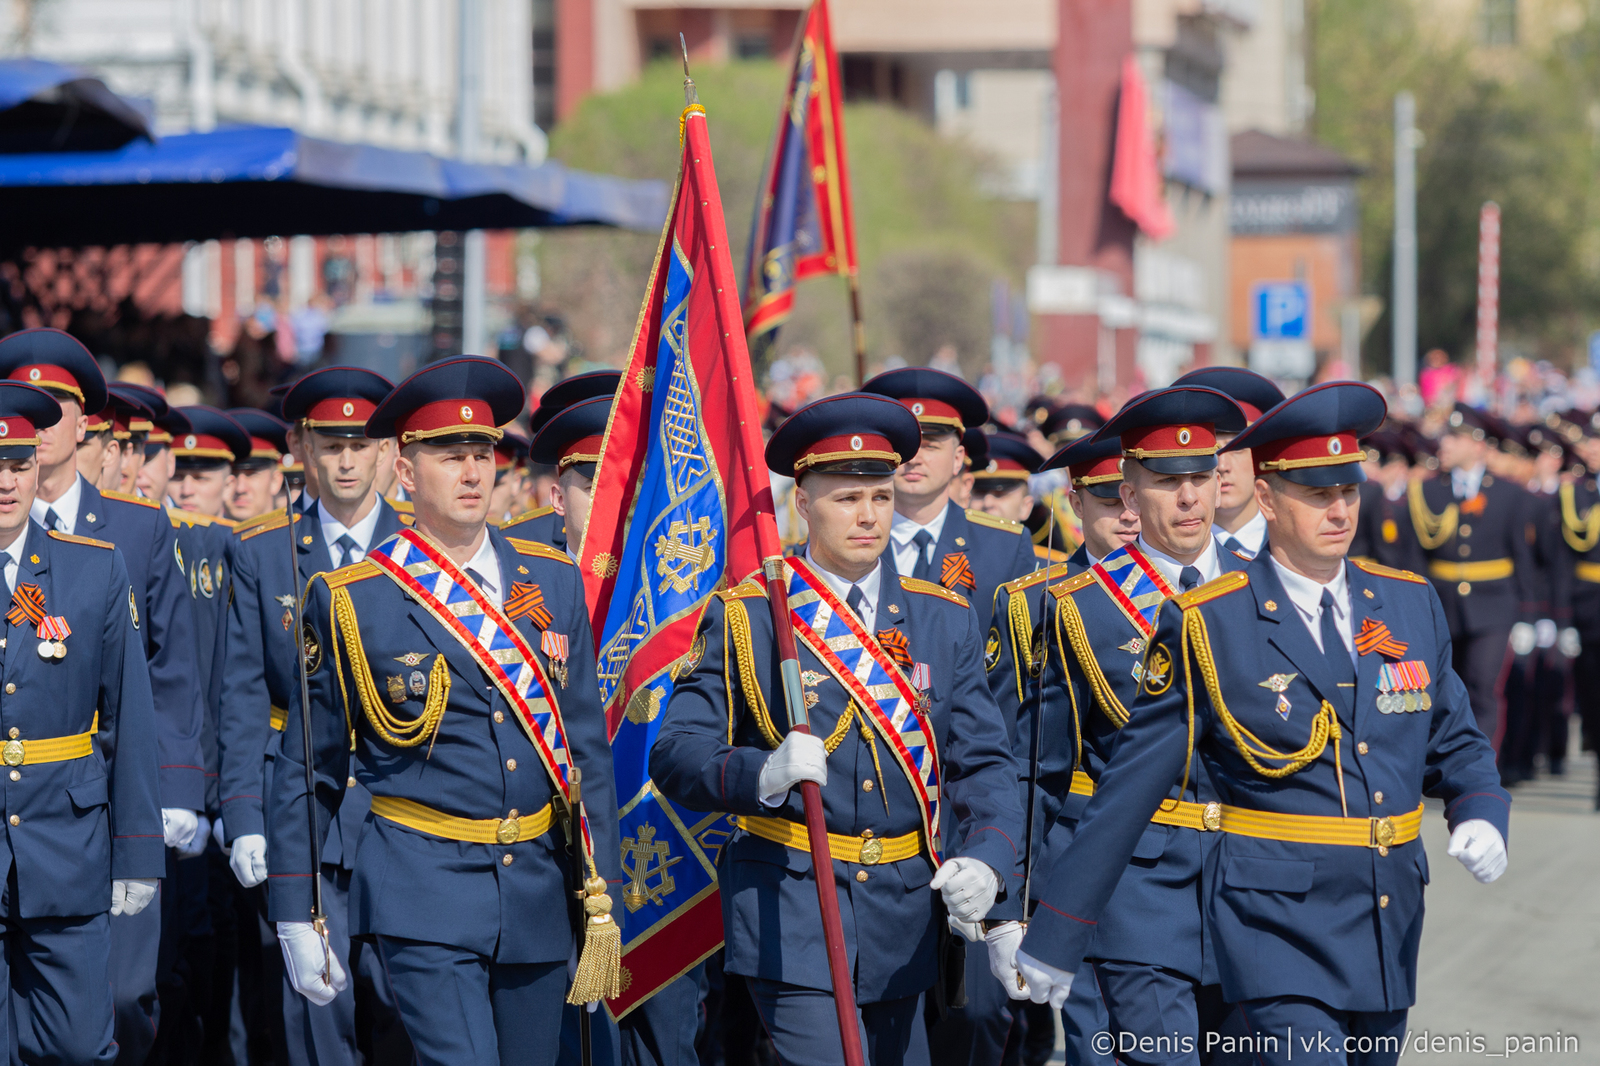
1282, 310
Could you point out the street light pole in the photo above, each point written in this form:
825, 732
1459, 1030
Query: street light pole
1404, 310
469, 96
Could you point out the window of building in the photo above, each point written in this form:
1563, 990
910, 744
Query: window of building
1498, 22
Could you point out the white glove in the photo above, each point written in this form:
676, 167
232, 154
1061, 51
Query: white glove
197, 843
968, 886
131, 895
801, 757
249, 859
1481, 849
179, 826
1569, 643
305, 955
1544, 633
218, 835
1046, 984
1003, 941
1522, 638
971, 932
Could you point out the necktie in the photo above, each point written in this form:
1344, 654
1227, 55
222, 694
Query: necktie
51, 519
477, 578
924, 567
5, 569
1188, 578
1333, 647
347, 545
854, 597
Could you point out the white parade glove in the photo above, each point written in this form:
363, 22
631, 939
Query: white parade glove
249, 859
1544, 633
971, 932
305, 955
1481, 849
1522, 638
1046, 984
801, 757
968, 886
131, 895
1569, 643
1003, 941
179, 826
218, 835
197, 843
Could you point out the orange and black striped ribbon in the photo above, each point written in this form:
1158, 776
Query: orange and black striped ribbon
955, 572
1375, 636
528, 600
894, 642
27, 606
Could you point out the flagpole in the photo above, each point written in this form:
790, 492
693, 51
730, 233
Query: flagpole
858, 332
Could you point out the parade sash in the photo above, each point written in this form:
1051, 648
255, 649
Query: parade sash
428, 575
1134, 585
834, 635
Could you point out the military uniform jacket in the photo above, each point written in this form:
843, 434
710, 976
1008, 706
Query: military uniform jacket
977, 553
1333, 922
480, 765
259, 672
541, 524
1385, 533
718, 730
149, 546
1494, 525
1577, 587
205, 545
73, 825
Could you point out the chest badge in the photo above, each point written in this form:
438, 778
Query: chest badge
1279, 683
1134, 646
286, 601
397, 688
411, 658
554, 646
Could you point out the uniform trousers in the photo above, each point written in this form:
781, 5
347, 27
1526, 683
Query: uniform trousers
804, 1026
976, 1035
1480, 660
463, 1009
1158, 1017
661, 1031
1306, 1032
1083, 1016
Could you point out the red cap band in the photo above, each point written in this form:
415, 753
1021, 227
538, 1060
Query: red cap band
340, 411
17, 431
260, 448
1003, 468
935, 411
47, 376
1156, 442
842, 449
582, 450
201, 446
1293, 453
447, 418
99, 422
1097, 472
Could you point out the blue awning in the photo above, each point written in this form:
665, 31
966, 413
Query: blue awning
251, 181
48, 107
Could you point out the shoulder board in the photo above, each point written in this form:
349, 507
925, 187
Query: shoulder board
1026, 581
250, 523
1062, 589
984, 519
749, 589
349, 575
225, 523
406, 519
1379, 570
1053, 555
537, 512
928, 588
1243, 556
403, 506
72, 539
538, 550
1230, 582
123, 497
265, 524
181, 517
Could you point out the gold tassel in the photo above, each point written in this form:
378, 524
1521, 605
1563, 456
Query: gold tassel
599, 973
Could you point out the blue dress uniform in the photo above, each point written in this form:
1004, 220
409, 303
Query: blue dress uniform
1580, 536
1313, 885
463, 876
721, 725
1384, 532
82, 805
542, 523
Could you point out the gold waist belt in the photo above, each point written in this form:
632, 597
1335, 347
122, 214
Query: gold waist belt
866, 849
280, 718
54, 749
1486, 570
1292, 828
1589, 572
512, 829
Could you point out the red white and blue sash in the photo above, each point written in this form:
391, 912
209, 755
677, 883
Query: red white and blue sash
835, 636
1134, 585
414, 563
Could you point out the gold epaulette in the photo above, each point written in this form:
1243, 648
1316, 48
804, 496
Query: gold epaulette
985, 519
403, 506
748, 589
195, 518
928, 588
538, 550
406, 519
1026, 581
265, 524
1062, 589
1054, 555
1379, 570
123, 497
526, 516
1230, 582
74, 539
349, 575
250, 523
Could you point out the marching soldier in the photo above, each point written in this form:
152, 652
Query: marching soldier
908, 740
1321, 699
258, 479
98, 454
510, 454
546, 523
131, 423
1580, 535
470, 745
968, 552
1239, 525
975, 457
329, 409
83, 830
1384, 533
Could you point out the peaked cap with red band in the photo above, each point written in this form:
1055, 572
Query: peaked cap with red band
851, 433
573, 435
336, 400
1312, 437
269, 436
1254, 394
934, 397
511, 450
449, 402
1011, 458
129, 415
1174, 430
1094, 465
568, 391
57, 362
24, 410
213, 438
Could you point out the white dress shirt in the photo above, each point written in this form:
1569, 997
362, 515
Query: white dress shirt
66, 507
1306, 595
1251, 535
869, 586
1209, 565
1465, 483
361, 533
900, 534
486, 564
14, 550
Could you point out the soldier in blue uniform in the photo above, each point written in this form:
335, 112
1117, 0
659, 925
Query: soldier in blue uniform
66, 502
908, 740
461, 665
1239, 525
130, 427
1384, 533
546, 523
258, 478
329, 409
510, 456
83, 830
968, 552
1320, 698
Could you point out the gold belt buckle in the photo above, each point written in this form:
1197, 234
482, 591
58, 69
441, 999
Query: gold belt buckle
1383, 832
13, 753
509, 829
871, 851
1211, 816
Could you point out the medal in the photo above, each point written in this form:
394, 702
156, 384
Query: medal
47, 649
1411, 701
418, 682
1279, 683
52, 631
554, 645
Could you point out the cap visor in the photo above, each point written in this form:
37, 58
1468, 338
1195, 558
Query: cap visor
1106, 490
1180, 464
1321, 477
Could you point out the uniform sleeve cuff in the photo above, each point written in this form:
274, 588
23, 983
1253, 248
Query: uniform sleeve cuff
288, 897
1058, 938
183, 787
1492, 807
241, 816
141, 856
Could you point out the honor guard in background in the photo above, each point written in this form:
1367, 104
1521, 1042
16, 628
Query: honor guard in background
1060, 426
83, 832
98, 455
67, 503
461, 666
1000, 486
968, 552
1384, 533
545, 523
1319, 696
1239, 525
1580, 537
329, 409
131, 418
510, 454
1477, 536
258, 479
908, 740
975, 454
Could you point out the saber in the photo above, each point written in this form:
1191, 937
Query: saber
1035, 738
